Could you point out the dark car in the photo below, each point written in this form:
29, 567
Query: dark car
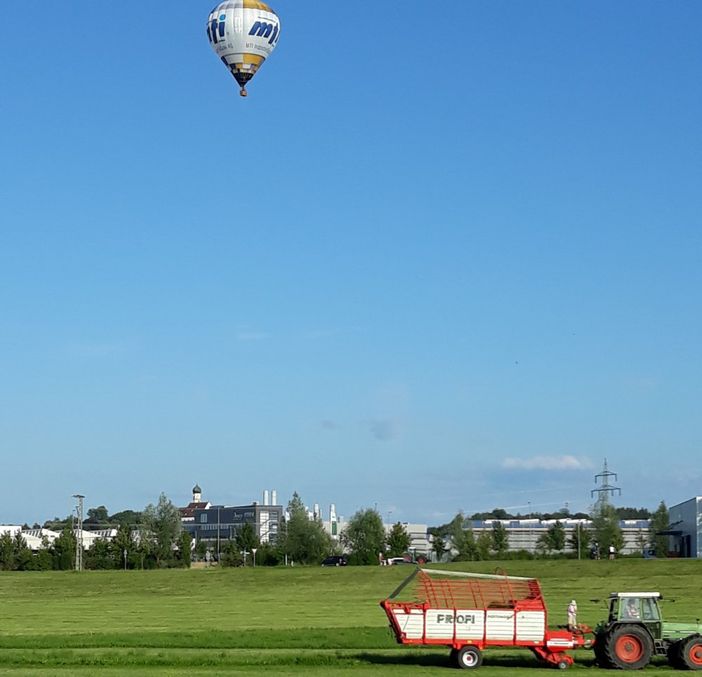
335, 561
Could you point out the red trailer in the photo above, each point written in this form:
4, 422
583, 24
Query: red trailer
469, 612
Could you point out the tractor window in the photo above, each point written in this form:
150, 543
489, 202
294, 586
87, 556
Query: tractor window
630, 608
650, 610
613, 604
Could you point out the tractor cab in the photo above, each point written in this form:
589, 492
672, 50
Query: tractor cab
634, 607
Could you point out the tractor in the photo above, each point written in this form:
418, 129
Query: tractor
635, 632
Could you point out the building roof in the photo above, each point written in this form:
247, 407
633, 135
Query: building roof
189, 510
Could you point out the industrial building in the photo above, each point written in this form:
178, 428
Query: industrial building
211, 523
685, 530
524, 534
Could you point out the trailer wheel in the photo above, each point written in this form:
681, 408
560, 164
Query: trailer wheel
628, 647
691, 653
469, 657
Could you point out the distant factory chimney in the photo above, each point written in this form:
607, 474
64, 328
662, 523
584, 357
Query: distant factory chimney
274, 497
332, 520
265, 497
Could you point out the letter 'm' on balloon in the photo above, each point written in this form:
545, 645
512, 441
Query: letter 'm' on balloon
243, 34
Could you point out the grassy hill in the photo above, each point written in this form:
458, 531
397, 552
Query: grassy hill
287, 621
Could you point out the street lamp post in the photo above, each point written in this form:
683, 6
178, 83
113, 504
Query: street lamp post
218, 529
578, 528
253, 550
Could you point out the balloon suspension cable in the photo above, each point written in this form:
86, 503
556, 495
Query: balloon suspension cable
243, 92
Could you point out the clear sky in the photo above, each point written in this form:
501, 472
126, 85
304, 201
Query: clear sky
442, 258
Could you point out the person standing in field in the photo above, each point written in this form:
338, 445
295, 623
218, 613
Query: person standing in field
572, 615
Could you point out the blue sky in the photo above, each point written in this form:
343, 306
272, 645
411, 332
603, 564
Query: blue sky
438, 260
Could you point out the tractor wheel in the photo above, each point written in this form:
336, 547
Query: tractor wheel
469, 657
628, 647
600, 654
691, 653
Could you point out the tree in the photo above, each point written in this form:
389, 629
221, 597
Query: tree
482, 545
633, 513
185, 542
22, 553
43, 561
398, 540
97, 516
554, 539
63, 550
463, 540
7, 552
659, 522
579, 541
124, 549
364, 537
304, 540
438, 546
500, 539
246, 538
230, 555
161, 529
200, 550
100, 555
605, 528
127, 517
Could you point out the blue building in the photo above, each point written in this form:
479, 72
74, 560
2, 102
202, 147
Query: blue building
685, 529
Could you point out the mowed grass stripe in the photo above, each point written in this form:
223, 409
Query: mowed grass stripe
298, 638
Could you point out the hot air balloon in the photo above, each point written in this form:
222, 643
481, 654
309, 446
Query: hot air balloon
243, 34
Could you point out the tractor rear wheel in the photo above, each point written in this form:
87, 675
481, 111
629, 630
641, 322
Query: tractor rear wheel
628, 647
600, 654
690, 653
469, 657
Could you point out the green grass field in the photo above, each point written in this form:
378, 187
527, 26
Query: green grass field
300, 621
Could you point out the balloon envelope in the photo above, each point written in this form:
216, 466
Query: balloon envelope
243, 34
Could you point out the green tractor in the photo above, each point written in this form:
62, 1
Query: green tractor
635, 632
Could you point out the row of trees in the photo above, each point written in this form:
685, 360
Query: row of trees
155, 539
305, 541
603, 533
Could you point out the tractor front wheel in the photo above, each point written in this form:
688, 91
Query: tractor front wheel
691, 653
628, 647
469, 657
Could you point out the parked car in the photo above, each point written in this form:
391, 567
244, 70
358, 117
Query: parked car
335, 561
400, 560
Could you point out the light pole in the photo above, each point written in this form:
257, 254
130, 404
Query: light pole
578, 528
79, 531
253, 550
218, 523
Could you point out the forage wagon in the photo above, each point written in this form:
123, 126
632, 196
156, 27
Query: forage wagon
470, 612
